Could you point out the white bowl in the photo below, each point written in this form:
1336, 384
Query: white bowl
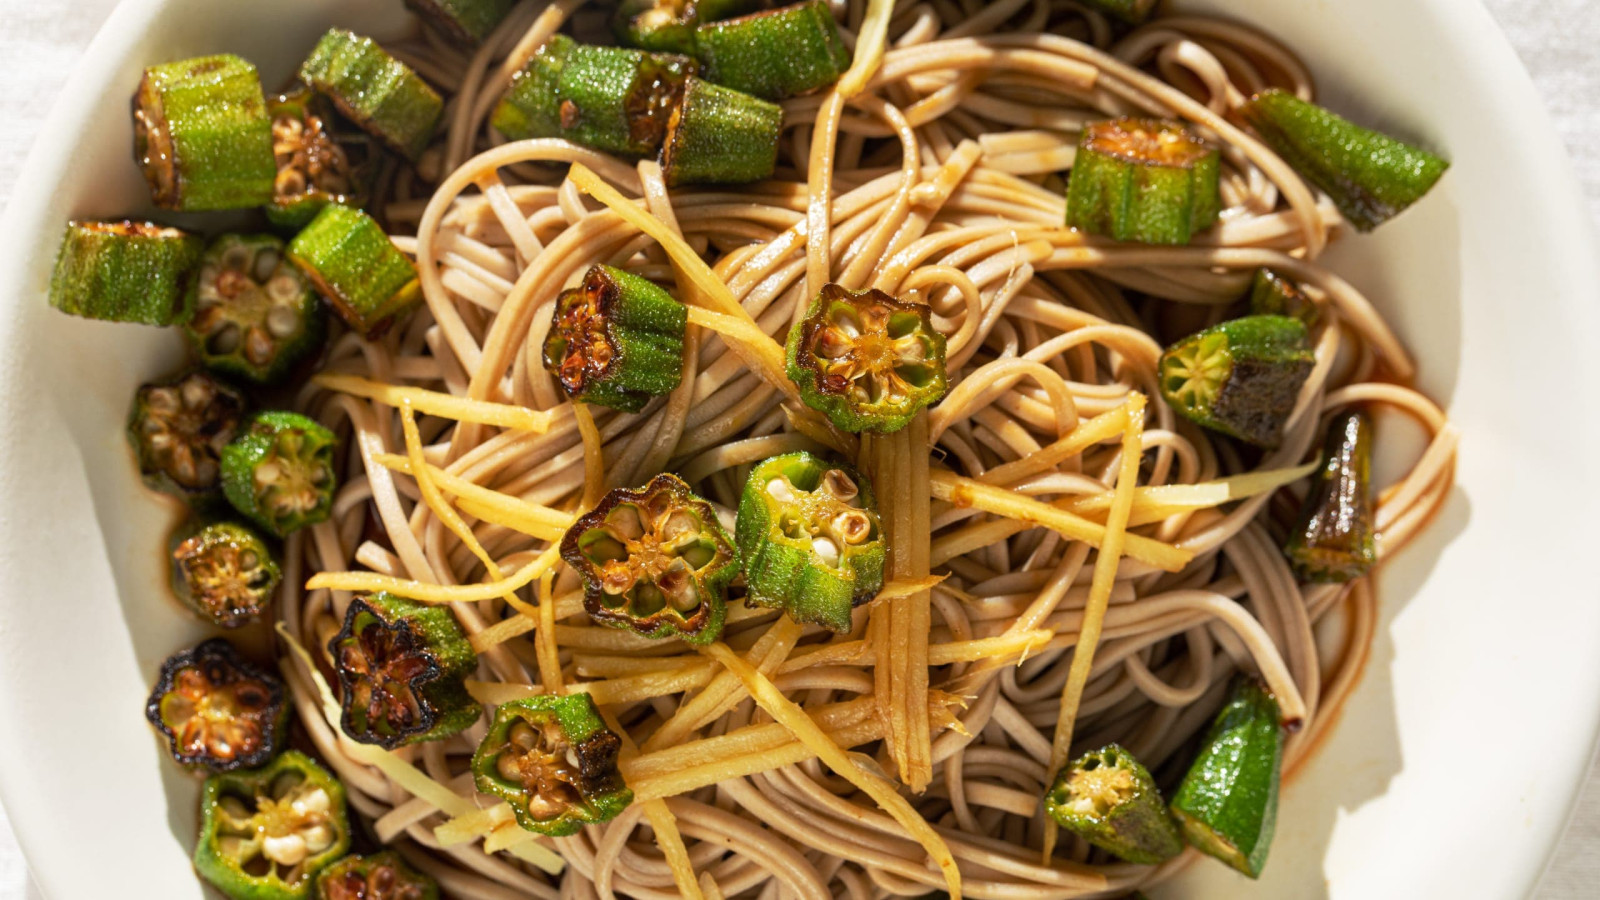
1457, 759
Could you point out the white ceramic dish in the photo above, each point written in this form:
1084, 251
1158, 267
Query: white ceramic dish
1456, 761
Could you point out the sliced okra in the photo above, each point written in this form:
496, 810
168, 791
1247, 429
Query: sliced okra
1272, 294
1143, 180
255, 314
667, 26
1333, 538
1227, 804
379, 93
318, 161
178, 430
376, 876
217, 711
1240, 377
202, 135
125, 272
1108, 798
774, 54
554, 760
352, 262
278, 472
719, 136
466, 22
265, 833
225, 572
616, 340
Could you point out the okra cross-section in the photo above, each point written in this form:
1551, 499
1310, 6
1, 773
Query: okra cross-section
225, 572
1333, 538
466, 22
1370, 176
255, 314
178, 430
616, 340
867, 361
401, 667
719, 136
379, 93
1227, 804
654, 559
1143, 180
377, 876
279, 473
352, 262
217, 711
809, 537
555, 761
1108, 798
125, 272
1241, 377
318, 162
776, 53
265, 833
202, 135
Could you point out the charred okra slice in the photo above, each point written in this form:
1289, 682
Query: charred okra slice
667, 26
318, 162
125, 272
720, 136
377, 876
216, 710
866, 360
1109, 799
278, 472
1370, 176
353, 263
255, 314
466, 22
809, 537
225, 572
202, 134
1240, 377
374, 90
656, 560
616, 340
401, 667
179, 428
1131, 11
1272, 294
1227, 804
265, 833
1332, 540
774, 54
1143, 180
608, 98
555, 761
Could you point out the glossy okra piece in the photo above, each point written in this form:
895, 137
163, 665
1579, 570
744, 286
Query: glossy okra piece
178, 430
125, 272
374, 90
265, 833
402, 666
810, 540
224, 571
667, 26
255, 314
1272, 294
720, 136
1131, 11
1143, 180
1227, 805
376, 876
278, 472
656, 560
776, 53
609, 98
616, 340
554, 760
1370, 176
217, 711
1240, 377
352, 262
1333, 538
466, 22
1109, 799
319, 159
867, 361
202, 134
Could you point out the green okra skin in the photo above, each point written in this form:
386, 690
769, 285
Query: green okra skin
668, 26
554, 760
1272, 294
1227, 805
375, 876
278, 472
125, 272
656, 560
224, 571
616, 340
266, 833
466, 22
1133, 12
1370, 176
202, 135
1108, 798
1143, 180
608, 98
256, 316
178, 430
217, 711
720, 136
352, 262
374, 90
402, 667
809, 537
867, 361
1332, 540
774, 54
319, 160
1241, 377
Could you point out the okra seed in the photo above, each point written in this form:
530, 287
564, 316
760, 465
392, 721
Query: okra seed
288, 850
224, 341
196, 393
826, 550
266, 263
780, 490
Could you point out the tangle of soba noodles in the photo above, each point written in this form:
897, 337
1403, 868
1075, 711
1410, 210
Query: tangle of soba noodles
941, 179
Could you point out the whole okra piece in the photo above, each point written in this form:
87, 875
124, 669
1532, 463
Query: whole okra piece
202, 135
1227, 805
224, 571
616, 340
1108, 798
667, 26
466, 22
320, 161
217, 711
125, 272
376, 876
720, 136
278, 472
1143, 180
1332, 540
774, 54
555, 761
265, 833
379, 93
352, 262
178, 430
1240, 377
256, 315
